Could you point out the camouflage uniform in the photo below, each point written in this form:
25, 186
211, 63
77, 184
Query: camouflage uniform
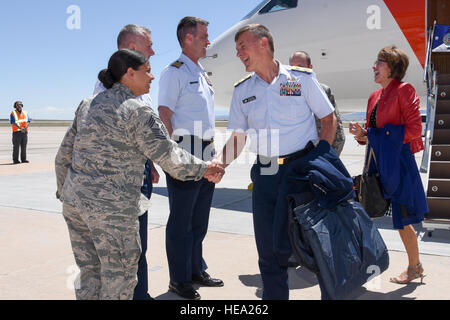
339, 140
99, 175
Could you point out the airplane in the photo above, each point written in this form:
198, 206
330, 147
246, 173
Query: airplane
343, 39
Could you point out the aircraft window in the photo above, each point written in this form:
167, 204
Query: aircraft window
259, 6
278, 5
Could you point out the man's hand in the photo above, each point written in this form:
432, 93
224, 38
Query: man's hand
154, 175
218, 160
214, 173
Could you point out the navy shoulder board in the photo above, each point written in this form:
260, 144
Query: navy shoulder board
237, 84
300, 69
177, 64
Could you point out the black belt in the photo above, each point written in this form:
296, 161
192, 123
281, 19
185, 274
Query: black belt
291, 157
179, 139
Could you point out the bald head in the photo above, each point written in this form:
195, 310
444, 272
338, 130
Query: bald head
300, 59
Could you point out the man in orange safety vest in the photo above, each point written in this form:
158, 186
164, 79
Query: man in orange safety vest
19, 122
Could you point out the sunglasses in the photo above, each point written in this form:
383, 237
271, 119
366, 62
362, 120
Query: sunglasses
378, 61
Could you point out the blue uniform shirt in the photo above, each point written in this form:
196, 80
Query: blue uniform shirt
278, 116
186, 90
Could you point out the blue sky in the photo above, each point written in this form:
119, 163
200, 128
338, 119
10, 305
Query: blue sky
51, 68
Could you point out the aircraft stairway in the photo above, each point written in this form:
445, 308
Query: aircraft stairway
438, 193
436, 159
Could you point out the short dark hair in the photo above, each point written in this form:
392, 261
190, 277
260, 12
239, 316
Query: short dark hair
18, 102
188, 25
118, 65
397, 61
128, 32
259, 31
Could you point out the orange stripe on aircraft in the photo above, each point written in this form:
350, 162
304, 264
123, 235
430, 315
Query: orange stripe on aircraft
410, 16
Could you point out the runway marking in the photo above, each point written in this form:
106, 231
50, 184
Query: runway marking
29, 209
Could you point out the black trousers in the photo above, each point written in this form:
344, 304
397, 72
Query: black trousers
141, 290
19, 140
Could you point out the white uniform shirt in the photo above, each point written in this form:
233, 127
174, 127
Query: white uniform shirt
278, 116
186, 90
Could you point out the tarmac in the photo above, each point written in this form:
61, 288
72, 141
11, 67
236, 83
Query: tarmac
37, 261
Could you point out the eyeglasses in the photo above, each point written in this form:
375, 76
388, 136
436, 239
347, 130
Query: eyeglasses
378, 61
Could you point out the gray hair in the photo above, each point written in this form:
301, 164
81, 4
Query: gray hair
127, 34
258, 31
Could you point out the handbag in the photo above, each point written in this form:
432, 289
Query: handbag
369, 190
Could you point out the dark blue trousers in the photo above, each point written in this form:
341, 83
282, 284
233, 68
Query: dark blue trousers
271, 231
141, 290
190, 204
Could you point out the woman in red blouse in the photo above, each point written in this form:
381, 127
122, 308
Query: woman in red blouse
396, 103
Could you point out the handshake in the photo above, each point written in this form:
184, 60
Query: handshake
215, 171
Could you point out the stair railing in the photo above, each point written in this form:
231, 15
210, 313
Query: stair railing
430, 79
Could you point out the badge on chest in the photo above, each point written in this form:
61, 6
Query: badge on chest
291, 88
249, 100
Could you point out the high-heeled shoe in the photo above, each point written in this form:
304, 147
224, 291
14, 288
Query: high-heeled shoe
412, 273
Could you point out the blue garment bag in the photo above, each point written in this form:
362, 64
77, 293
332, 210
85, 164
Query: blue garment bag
340, 243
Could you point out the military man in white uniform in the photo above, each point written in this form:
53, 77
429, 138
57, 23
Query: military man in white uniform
186, 107
275, 106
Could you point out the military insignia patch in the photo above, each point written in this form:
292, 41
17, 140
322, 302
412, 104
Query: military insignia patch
249, 100
291, 89
177, 64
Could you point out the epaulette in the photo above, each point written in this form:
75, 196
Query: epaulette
177, 64
237, 84
300, 69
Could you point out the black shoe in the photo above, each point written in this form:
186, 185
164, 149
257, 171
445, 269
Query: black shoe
292, 263
205, 280
25, 161
184, 290
16, 162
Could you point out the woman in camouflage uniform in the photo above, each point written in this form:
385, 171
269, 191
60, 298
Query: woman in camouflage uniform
99, 169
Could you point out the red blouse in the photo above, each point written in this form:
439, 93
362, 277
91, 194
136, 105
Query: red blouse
398, 104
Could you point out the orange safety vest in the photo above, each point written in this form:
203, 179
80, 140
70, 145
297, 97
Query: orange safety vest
21, 120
